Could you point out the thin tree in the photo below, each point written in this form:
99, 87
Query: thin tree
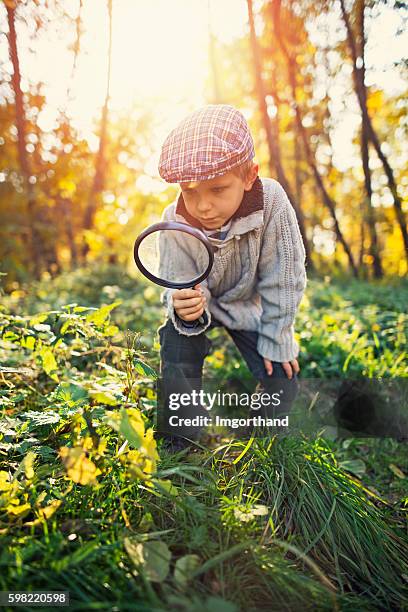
23, 157
216, 97
100, 160
365, 156
327, 134
66, 204
76, 49
364, 142
272, 132
261, 98
357, 55
310, 156
374, 246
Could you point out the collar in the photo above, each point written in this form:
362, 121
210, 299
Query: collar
249, 214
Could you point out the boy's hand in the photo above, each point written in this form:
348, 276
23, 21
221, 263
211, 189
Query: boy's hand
290, 367
189, 304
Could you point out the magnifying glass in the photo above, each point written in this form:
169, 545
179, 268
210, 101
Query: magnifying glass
160, 245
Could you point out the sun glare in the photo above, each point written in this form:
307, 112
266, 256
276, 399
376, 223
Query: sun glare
159, 53
160, 61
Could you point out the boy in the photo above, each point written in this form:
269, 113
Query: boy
258, 277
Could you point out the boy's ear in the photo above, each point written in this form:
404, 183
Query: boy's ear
250, 180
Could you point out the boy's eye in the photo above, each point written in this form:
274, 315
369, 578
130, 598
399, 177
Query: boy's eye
218, 189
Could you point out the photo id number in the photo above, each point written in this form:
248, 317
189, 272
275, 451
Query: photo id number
34, 598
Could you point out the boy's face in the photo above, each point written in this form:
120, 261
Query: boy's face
213, 202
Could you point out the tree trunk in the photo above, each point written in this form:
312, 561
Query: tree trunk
260, 94
76, 49
362, 248
66, 204
216, 98
295, 198
370, 219
298, 171
361, 93
328, 201
272, 133
364, 140
100, 162
24, 161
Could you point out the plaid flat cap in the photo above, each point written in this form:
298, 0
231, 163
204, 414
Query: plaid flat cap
207, 143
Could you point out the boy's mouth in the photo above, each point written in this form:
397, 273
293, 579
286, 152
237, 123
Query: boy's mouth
209, 220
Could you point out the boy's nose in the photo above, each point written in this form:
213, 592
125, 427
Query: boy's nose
203, 207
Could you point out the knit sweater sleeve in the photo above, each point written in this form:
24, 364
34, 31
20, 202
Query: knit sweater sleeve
281, 280
176, 264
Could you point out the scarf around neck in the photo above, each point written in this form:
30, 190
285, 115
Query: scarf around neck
251, 202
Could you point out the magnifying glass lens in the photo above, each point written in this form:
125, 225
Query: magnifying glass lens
173, 256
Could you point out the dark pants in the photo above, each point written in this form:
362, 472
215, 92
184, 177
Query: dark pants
182, 359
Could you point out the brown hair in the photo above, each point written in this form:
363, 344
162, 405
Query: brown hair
243, 170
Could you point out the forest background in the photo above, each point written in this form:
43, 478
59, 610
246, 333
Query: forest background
90, 89
90, 501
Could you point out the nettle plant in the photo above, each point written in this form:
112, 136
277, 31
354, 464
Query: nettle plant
73, 395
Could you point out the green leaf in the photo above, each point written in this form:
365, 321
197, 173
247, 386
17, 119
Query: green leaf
354, 466
67, 326
25, 371
167, 486
28, 342
396, 470
146, 523
144, 369
41, 327
152, 558
111, 330
128, 431
49, 363
9, 425
246, 514
45, 452
71, 393
184, 569
99, 316
260, 510
38, 318
104, 397
39, 419
10, 336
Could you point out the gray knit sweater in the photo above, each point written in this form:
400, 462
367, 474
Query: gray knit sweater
259, 274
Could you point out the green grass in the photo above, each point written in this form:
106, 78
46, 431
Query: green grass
281, 524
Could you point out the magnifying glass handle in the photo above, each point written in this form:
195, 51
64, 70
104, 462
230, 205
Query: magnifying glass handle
200, 319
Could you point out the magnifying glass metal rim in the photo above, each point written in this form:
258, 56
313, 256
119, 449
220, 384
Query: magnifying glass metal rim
181, 227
